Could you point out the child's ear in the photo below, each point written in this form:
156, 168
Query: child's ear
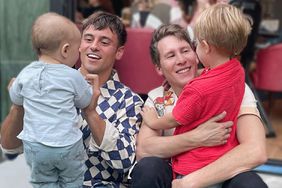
65, 49
206, 46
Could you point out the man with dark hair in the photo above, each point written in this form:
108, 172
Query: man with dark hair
112, 120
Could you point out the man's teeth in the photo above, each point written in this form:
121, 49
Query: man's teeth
184, 70
93, 56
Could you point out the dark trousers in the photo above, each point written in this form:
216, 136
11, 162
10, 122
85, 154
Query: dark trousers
154, 172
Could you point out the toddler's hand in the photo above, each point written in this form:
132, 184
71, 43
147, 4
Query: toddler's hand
149, 114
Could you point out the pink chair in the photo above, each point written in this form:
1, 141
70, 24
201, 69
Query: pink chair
135, 69
268, 73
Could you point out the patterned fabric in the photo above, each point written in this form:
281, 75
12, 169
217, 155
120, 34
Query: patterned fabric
110, 162
161, 102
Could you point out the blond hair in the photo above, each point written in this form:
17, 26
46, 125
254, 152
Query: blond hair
49, 30
225, 27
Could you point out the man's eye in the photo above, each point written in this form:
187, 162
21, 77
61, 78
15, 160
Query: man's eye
170, 56
105, 42
88, 39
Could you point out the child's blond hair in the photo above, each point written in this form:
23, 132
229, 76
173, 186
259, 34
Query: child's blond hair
49, 30
225, 27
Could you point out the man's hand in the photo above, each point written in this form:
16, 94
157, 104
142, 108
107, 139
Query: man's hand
93, 80
213, 133
95, 122
149, 114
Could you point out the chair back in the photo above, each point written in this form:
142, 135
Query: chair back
268, 73
135, 68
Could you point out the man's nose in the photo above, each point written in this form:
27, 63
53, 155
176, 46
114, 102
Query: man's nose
181, 59
94, 45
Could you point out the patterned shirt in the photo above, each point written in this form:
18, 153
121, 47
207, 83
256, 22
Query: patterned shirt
110, 162
164, 100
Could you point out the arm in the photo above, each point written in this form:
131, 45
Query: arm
150, 118
250, 153
120, 124
211, 133
96, 124
11, 127
121, 139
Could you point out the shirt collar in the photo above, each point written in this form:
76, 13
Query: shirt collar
109, 88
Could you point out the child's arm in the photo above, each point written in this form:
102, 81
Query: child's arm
150, 117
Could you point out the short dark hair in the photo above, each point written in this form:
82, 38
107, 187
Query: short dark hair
101, 20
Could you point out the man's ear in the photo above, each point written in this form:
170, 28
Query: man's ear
119, 53
159, 70
65, 49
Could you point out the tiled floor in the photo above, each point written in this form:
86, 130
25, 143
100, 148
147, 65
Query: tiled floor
15, 174
273, 181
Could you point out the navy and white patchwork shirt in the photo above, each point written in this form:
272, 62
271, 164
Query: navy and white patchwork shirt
110, 162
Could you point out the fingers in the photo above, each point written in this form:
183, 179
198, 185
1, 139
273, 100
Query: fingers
218, 117
148, 112
92, 79
148, 109
226, 127
226, 134
227, 124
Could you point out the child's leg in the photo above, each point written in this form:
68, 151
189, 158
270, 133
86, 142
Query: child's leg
72, 166
41, 162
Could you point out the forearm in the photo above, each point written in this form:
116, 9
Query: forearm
248, 154
165, 122
210, 133
97, 126
119, 137
11, 127
151, 143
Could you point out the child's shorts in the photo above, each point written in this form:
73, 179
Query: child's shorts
55, 166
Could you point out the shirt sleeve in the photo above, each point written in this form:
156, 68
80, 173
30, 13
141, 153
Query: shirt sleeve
119, 141
83, 91
15, 93
188, 106
12, 153
249, 103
